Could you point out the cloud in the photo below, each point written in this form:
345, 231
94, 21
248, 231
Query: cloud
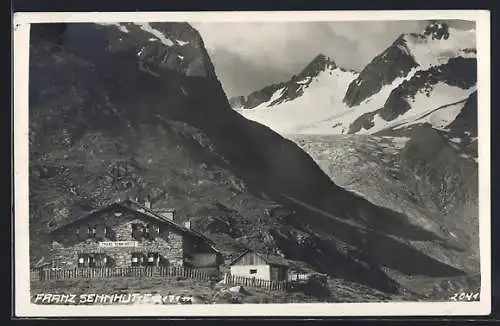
240, 76
249, 56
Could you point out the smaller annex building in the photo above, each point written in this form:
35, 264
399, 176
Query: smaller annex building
260, 266
128, 233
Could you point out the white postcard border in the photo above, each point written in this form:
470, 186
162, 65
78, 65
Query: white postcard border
23, 305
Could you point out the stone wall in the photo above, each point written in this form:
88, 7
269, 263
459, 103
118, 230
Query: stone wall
64, 250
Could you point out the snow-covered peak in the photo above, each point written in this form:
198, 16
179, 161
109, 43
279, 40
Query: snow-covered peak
439, 43
322, 70
321, 96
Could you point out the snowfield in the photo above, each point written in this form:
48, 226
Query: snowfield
430, 52
321, 98
434, 109
339, 123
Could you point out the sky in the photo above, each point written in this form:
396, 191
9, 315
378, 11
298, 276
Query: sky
249, 56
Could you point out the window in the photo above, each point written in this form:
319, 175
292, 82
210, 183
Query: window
137, 259
83, 260
94, 260
138, 231
97, 231
101, 231
100, 260
146, 259
92, 231
152, 231
82, 232
253, 271
153, 259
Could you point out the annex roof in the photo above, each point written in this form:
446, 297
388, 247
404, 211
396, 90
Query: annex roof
270, 259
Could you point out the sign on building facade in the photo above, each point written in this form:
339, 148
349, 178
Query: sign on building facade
112, 244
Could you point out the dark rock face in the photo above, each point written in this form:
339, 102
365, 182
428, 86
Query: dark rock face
365, 121
263, 95
438, 31
382, 70
114, 114
137, 98
320, 63
291, 89
237, 102
467, 118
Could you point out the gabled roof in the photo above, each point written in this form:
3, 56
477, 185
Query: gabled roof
141, 209
270, 259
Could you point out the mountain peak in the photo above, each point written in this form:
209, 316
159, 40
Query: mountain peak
323, 59
437, 30
320, 63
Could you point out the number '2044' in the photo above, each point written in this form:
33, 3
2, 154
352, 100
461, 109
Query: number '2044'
465, 296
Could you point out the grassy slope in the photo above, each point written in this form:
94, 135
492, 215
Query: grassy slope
205, 292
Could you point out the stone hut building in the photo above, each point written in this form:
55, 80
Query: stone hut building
131, 234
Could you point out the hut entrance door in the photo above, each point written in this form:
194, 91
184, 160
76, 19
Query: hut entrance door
278, 273
274, 273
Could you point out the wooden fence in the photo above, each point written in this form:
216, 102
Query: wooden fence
41, 274
116, 272
256, 283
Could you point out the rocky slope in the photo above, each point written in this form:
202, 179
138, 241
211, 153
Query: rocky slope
136, 109
419, 175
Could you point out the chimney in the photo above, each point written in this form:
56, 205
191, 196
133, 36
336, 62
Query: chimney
187, 225
147, 202
167, 213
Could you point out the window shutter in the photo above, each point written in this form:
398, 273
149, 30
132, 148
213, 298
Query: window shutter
100, 231
83, 232
164, 232
151, 259
154, 231
81, 260
137, 231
